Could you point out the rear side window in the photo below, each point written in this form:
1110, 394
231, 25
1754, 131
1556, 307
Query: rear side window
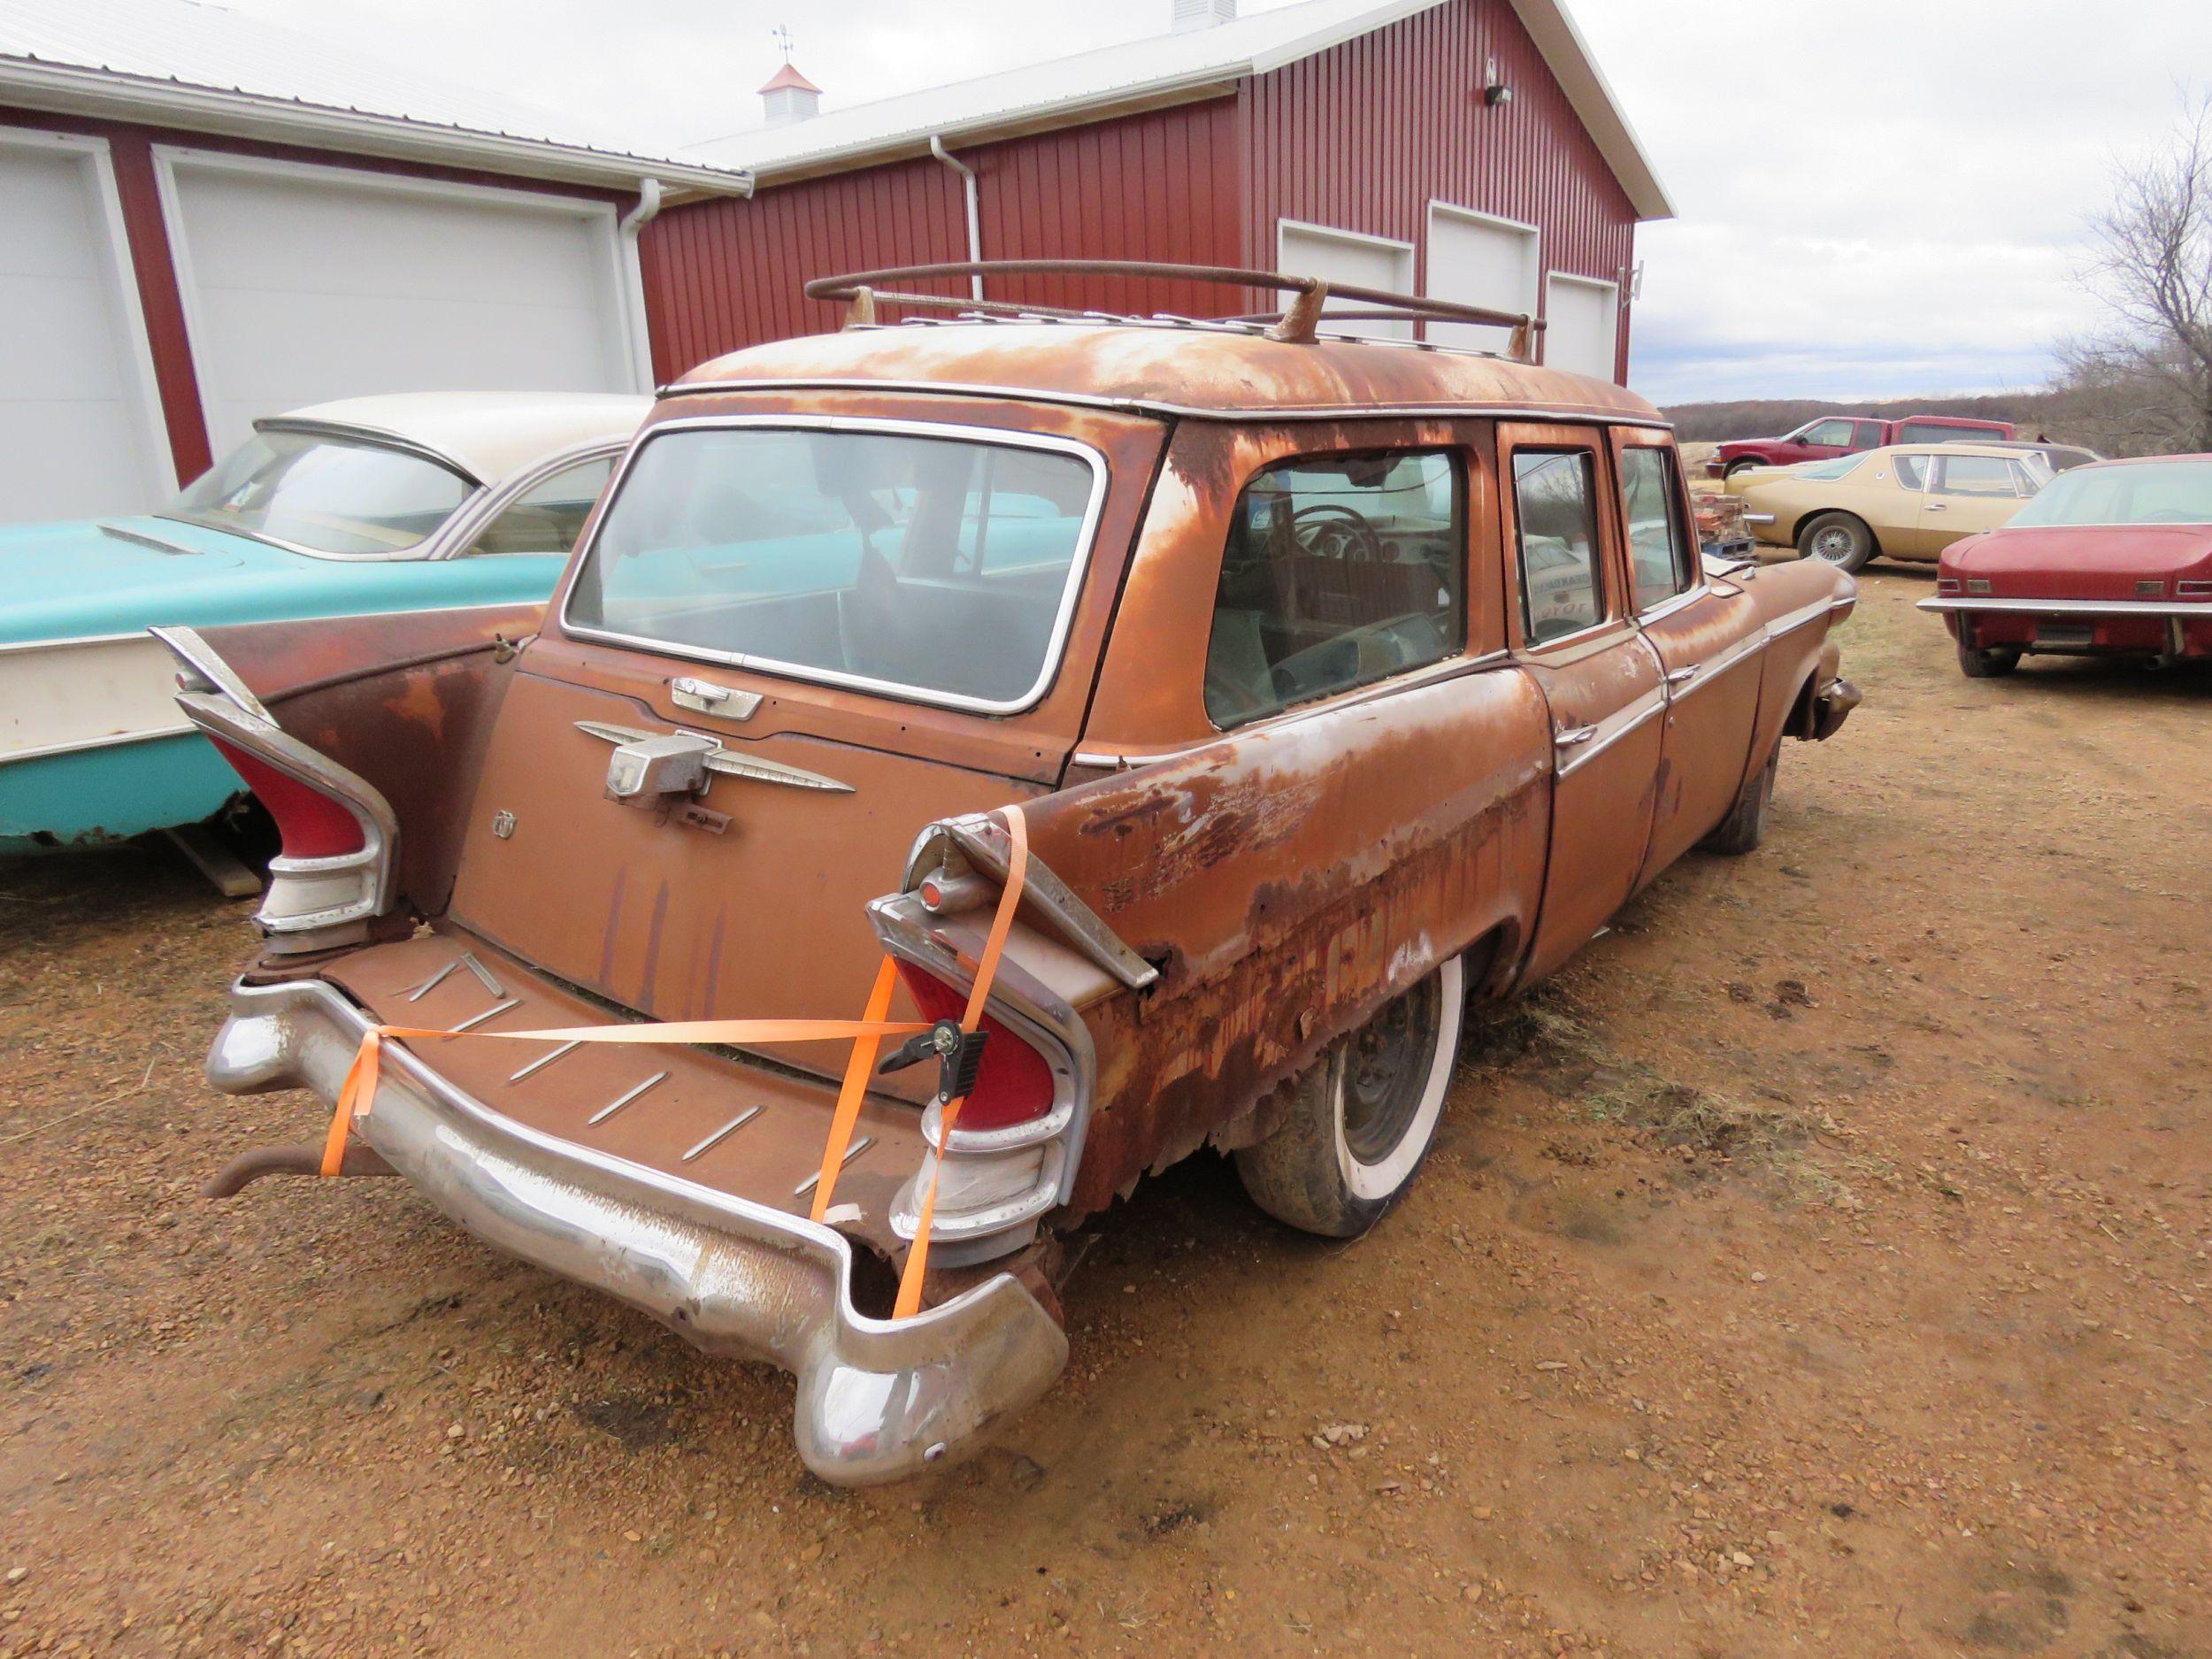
1658, 551
1555, 515
1912, 470
1944, 432
1339, 570
1870, 435
1975, 475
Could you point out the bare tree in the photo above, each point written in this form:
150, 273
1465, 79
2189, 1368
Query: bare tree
2146, 385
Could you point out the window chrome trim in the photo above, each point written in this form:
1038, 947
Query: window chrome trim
474, 516
1673, 602
1064, 619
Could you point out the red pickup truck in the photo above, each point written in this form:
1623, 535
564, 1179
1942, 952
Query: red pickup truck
1844, 435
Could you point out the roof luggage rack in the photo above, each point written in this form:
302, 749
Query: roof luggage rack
1298, 323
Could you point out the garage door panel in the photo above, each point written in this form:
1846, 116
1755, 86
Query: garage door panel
307, 285
1582, 326
1345, 256
1475, 261
75, 432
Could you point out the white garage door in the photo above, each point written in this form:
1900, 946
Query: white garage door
1345, 255
304, 283
1582, 325
78, 436
1476, 259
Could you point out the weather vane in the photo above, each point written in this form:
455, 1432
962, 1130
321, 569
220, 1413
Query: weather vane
783, 39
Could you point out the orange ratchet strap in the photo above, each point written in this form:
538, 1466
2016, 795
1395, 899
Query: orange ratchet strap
358, 1092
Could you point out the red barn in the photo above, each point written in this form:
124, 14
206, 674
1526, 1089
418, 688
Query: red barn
1469, 149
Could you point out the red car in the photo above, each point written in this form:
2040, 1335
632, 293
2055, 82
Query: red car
2110, 560
1848, 435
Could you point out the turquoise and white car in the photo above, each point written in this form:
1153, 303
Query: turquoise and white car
417, 501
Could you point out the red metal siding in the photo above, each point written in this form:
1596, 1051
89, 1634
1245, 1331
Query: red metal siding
1365, 136
722, 274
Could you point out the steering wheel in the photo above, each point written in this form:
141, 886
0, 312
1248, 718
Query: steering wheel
1329, 529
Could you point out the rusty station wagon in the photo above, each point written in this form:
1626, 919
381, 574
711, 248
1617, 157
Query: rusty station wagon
1301, 689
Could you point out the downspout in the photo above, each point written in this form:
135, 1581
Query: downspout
975, 212
627, 234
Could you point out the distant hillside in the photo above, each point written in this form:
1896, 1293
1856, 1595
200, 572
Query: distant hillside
1768, 418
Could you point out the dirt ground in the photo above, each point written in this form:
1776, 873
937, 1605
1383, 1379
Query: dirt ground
1818, 1266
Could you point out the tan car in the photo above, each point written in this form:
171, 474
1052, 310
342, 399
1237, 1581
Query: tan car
1904, 502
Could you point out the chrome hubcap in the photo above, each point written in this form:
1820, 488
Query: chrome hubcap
1388, 1072
1835, 545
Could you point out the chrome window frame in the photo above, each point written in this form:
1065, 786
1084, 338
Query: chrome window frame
476, 514
1063, 618
1607, 615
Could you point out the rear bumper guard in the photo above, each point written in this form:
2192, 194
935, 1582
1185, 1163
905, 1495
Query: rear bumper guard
878, 1399
1833, 707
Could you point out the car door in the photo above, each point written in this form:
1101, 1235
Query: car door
1707, 637
1573, 634
1967, 494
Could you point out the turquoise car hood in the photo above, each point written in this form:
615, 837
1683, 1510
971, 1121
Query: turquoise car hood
79, 580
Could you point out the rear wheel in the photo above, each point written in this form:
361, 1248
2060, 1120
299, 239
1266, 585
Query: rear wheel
1839, 538
1363, 1118
1746, 825
1990, 662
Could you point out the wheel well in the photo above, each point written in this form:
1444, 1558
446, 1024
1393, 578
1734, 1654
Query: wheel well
1490, 961
1801, 721
1798, 529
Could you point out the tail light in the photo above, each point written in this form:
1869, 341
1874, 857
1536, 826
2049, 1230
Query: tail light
313, 824
2192, 590
1947, 584
1013, 1085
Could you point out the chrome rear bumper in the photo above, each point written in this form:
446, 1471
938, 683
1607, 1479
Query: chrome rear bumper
878, 1399
2157, 608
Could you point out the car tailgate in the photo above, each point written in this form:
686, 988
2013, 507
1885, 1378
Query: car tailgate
686, 1111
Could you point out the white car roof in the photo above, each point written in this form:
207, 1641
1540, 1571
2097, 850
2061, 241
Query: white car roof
489, 435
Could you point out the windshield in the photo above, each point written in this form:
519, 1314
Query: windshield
938, 565
2155, 492
339, 495
1836, 468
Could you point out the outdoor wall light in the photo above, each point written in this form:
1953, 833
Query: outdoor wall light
1494, 91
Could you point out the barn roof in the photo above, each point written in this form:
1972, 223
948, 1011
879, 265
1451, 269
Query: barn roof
1161, 69
1160, 366
212, 69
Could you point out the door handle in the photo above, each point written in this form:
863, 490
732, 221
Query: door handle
1936, 506
1580, 734
1682, 676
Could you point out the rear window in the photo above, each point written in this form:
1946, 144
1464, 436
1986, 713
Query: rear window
925, 562
2147, 492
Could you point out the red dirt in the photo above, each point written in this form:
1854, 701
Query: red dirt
1818, 1266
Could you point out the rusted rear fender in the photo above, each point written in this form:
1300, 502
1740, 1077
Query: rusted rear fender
405, 701
1288, 880
1799, 603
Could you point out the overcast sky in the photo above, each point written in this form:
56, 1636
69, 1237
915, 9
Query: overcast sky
1878, 198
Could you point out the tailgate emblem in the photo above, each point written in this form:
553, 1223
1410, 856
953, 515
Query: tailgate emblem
721, 760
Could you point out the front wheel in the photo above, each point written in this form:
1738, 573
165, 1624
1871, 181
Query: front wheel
1363, 1118
1839, 538
1735, 467
1992, 662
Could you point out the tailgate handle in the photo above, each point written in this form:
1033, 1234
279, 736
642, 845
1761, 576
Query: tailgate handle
705, 697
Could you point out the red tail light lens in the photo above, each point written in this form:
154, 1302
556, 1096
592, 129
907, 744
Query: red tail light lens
313, 824
1014, 1083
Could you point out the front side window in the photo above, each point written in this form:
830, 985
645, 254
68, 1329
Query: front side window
1658, 551
549, 515
1835, 432
349, 498
1555, 492
1975, 475
944, 566
1339, 570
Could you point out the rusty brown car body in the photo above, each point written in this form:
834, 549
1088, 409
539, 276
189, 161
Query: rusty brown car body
1377, 678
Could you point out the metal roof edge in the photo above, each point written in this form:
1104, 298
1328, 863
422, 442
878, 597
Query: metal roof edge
73, 91
1568, 55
